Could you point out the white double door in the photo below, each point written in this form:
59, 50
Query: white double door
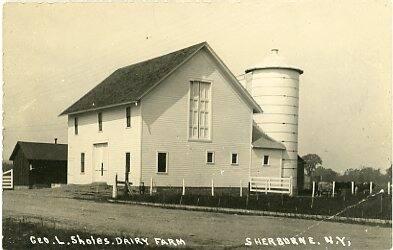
100, 162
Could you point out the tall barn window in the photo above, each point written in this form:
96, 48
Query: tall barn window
128, 117
82, 162
100, 121
76, 125
200, 106
162, 162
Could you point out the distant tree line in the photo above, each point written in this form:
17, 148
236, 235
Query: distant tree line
314, 169
7, 165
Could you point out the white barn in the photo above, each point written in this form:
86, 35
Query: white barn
180, 116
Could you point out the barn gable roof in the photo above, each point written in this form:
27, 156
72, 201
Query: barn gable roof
129, 84
41, 151
262, 140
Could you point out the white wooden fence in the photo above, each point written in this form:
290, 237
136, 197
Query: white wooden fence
271, 185
8, 180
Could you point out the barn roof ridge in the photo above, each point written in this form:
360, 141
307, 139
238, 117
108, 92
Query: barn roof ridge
41, 151
36, 142
116, 88
129, 84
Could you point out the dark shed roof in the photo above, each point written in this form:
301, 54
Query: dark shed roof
262, 140
130, 83
41, 151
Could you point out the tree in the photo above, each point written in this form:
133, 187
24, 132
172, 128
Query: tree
7, 166
311, 162
325, 174
389, 173
364, 174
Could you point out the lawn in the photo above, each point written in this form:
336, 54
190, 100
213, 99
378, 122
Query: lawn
359, 206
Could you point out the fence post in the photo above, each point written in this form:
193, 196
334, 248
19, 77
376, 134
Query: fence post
334, 187
184, 189
352, 187
151, 185
381, 205
12, 178
371, 187
389, 188
270, 184
114, 191
313, 194
212, 187
313, 189
290, 187
241, 188
267, 183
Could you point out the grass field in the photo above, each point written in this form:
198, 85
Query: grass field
371, 207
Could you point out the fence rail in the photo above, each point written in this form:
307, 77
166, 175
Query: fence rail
8, 180
271, 185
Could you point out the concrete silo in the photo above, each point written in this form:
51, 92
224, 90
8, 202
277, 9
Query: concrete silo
274, 84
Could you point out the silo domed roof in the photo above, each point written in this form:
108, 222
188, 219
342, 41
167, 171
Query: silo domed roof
274, 61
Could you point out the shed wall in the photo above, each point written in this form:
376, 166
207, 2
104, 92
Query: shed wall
21, 169
274, 169
48, 172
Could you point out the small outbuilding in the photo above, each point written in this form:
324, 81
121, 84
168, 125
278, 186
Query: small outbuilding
38, 164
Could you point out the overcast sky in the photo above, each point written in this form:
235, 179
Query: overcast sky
54, 53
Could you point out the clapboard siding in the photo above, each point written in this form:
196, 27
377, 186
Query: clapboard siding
119, 138
165, 128
274, 167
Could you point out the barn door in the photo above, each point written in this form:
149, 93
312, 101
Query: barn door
100, 167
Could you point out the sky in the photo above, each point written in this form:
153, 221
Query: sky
55, 53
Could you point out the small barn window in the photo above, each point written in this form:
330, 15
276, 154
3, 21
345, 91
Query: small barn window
100, 121
162, 162
128, 162
128, 117
266, 160
234, 159
76, 125
82, 162
210, 157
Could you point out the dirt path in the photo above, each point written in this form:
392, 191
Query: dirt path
196, 228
